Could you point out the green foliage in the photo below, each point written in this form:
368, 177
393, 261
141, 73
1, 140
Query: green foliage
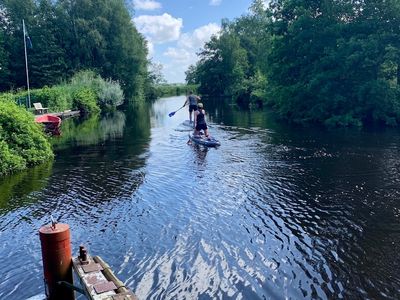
85, 101
22, 141
69, 36
9, 161
86, 90
4, 62
7, 97
108, 93
56, 98
331, 62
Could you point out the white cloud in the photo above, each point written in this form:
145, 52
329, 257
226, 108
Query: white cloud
182, 56
215, 2
159, 29
150, 48
178, 54
146, 4
198, 37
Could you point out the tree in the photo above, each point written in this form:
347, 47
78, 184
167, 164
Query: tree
47, 57
191, 76
155, 73
73, 35
4, 64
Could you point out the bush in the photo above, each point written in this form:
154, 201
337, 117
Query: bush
108, 93
9, 161
85, 101
22, 141
7, 97
92, 92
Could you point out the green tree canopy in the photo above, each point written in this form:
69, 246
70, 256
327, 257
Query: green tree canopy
69, 36
323, 61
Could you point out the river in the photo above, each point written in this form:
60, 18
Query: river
276, 212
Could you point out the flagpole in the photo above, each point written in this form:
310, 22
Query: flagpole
26, 65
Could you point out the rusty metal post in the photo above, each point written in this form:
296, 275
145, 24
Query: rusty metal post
55, 240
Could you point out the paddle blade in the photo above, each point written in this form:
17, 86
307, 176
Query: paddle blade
171, 113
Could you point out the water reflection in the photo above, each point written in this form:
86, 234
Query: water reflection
15, 189
90, 130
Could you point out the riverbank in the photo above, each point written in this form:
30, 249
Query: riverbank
86, 93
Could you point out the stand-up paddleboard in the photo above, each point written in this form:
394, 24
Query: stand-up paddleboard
202, 140
187, 123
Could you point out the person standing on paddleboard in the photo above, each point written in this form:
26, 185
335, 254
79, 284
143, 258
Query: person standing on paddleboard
192, 100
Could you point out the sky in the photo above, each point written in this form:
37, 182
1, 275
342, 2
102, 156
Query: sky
177, 29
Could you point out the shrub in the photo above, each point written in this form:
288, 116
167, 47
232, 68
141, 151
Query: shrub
22, 141
110, 94
85, 101
7, 97
57, 98
107, 92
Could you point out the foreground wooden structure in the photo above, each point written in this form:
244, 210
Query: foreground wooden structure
97, 280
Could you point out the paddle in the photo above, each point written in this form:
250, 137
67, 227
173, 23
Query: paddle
172, 113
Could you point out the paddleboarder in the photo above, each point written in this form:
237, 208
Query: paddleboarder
192, 100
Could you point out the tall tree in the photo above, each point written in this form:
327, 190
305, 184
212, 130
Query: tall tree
71, 35
4, 63
14, 12
47, 57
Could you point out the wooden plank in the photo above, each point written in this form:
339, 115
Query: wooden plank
89, 280
99, 282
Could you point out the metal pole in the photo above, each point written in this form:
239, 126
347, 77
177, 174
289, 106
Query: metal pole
26, 65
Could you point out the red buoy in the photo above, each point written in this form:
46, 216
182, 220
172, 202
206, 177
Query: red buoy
55, 240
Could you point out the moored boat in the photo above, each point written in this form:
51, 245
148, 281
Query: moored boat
52, 123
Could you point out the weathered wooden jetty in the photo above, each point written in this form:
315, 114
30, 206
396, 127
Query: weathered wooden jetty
66, 114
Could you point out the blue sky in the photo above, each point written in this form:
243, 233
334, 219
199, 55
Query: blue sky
177, 29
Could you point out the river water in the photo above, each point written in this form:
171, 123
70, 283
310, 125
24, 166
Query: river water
276, 212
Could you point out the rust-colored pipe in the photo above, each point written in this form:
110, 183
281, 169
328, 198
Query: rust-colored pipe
55, 240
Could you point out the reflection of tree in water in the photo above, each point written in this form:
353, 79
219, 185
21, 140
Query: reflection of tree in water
90, 131
14, 188
103, 158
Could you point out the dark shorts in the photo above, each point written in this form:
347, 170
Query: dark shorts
192, 108
201, 126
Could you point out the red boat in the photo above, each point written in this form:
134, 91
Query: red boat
52, 123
